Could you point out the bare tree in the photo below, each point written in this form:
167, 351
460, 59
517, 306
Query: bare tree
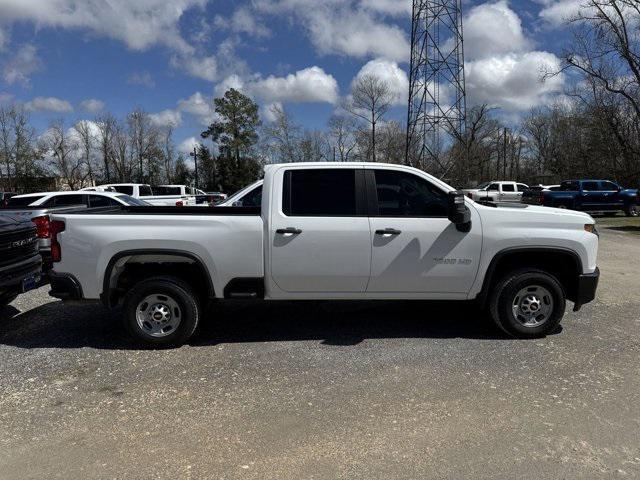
86, 139
283, 136
63, 150
143, 137
342, 134
108, 127
370, 100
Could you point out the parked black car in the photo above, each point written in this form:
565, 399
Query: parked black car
20, 261
599, 196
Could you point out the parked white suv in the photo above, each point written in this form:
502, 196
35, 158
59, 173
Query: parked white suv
330, 231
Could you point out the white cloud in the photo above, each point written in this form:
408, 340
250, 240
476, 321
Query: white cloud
308, 85
139, 24
188, 144
268, 111
24, 63
5, 97
205, 68
242, 21
232, 81
200, 107
493, 29
392, 75
143, 79
514, 81
389, 7
92, 105
557, 13
343, 27
48, 104
166, 118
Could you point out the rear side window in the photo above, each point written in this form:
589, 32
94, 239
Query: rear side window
590, 186
23, 202
319, 193
402, 194
569, 186
126, 189
66, 200
145, 191
96, 201
507, 187
252, 199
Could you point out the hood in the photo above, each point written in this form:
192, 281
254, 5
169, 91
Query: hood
536, 213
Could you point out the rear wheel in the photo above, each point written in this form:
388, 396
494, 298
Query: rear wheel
528, 303
632, 210
161, 311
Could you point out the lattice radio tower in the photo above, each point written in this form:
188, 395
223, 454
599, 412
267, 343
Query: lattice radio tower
437, 104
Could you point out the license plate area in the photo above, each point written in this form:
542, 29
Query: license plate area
30, 283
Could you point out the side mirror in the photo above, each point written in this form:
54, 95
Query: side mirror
459, 214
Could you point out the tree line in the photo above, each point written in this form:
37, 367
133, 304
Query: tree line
593, 130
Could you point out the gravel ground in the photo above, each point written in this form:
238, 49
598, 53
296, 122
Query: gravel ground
396, 390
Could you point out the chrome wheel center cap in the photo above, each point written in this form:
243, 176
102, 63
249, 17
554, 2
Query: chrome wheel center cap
160, 313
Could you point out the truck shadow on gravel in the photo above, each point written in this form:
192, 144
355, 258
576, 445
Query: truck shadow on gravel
339, 324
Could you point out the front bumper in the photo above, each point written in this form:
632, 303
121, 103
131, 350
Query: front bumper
64, 286
587, 286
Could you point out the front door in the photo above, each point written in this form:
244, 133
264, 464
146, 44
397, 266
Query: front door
416, 249
320, 239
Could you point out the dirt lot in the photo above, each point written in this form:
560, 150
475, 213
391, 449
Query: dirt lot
374, 390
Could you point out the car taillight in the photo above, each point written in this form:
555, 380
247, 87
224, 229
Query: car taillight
43, 226
179, 203
55, 228
541, 198
470, 196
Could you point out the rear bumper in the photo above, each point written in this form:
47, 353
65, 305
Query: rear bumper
587, 286
64, 286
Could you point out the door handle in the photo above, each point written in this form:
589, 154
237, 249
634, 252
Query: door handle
388, 231
289, 231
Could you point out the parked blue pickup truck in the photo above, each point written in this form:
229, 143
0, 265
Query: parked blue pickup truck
588, 196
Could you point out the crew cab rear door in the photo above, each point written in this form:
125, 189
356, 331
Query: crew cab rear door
319, 231
416, 249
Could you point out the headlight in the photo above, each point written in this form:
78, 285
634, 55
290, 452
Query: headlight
591, 228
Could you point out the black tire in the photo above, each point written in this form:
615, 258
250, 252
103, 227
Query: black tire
632, 210
176, 303
545, 291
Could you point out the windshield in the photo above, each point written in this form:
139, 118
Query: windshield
23, 202
134, 202
482, 186
126, 189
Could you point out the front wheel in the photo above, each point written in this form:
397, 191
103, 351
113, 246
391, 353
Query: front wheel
528, 303
161, 311
632, 210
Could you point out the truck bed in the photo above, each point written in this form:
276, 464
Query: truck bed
178, 211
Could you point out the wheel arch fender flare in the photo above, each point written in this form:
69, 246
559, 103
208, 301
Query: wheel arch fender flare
513, 251
107, 287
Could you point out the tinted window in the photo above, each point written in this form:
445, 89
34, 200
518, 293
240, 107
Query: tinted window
252, 199
127, 190
494, 187
508, 188
132, 201
165, 191
67, 200
569, 186
96, 201
323, 192
145, 191
522, 187
608, 187
402, 194
23, 202
590, 186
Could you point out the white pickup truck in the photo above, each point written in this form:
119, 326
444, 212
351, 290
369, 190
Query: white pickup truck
497, 192
383, 232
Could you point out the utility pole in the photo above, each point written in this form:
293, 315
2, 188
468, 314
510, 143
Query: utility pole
194, 154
